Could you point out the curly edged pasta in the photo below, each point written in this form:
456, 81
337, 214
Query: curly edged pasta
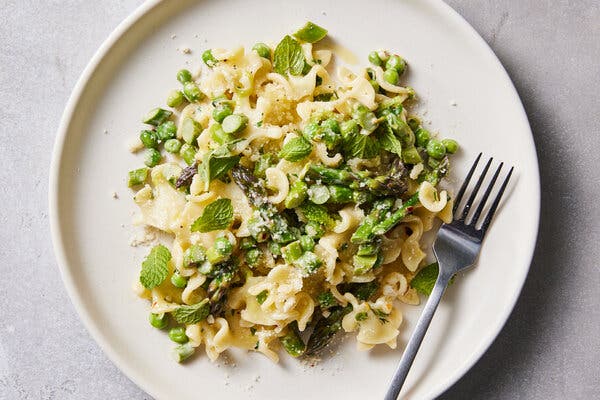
296, 198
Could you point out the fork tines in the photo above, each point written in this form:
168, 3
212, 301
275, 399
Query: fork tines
475, 219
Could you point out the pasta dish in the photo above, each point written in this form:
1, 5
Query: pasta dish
294, 194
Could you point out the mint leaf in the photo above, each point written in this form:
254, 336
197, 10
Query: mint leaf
296, 149
217, 215
355, 144
155, 267
219, 166
192, 314
389, 141
288, 57
425, 279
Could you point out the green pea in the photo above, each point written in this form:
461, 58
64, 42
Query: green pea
312, 131
451, 145
220, 251
397, 63
153, 157
178, 281
247, 243
167, 130
436, 149
263, 50
178, 335
191, 92
422, 136
331, 124
307, 243
149, 139
222, 111
173, 146
275, 248
209, 59
391, 76
175, 98
188, 153
234, 123
194, 255
375, 59
253, 257
137, 177
184, 75
159, 321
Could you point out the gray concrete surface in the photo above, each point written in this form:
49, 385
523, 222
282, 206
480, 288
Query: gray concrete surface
550, 347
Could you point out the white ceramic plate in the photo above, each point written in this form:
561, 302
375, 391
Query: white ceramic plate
462, 86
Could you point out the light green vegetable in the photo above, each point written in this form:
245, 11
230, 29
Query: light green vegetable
326, 300
188, 153
451, 145
208, 58
157, 116
292, 251
167, 130
391, 76
217, 215
374, 58
190, 130
291, 341
159, 321
192, 93
218, 134
173, 146
234, 123
175, 98
178, 335
149, 139
222, 111
422, 136
194, 255
178, 281
319, 194
219, 251
183, 351
436, 149
297, 194
184, 75
152, 158
262, 296
137, 177
397, 63
155, 267
263, 50
310, 33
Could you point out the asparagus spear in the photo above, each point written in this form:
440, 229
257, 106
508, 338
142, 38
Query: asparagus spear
292, 342
325, 328
276, 224
397, 216
219, 286
391, 184
364, 232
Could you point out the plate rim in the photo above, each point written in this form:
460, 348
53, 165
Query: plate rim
59, 244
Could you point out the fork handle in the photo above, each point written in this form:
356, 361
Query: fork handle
417, 337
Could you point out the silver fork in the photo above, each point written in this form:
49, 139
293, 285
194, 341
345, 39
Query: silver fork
456, 247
